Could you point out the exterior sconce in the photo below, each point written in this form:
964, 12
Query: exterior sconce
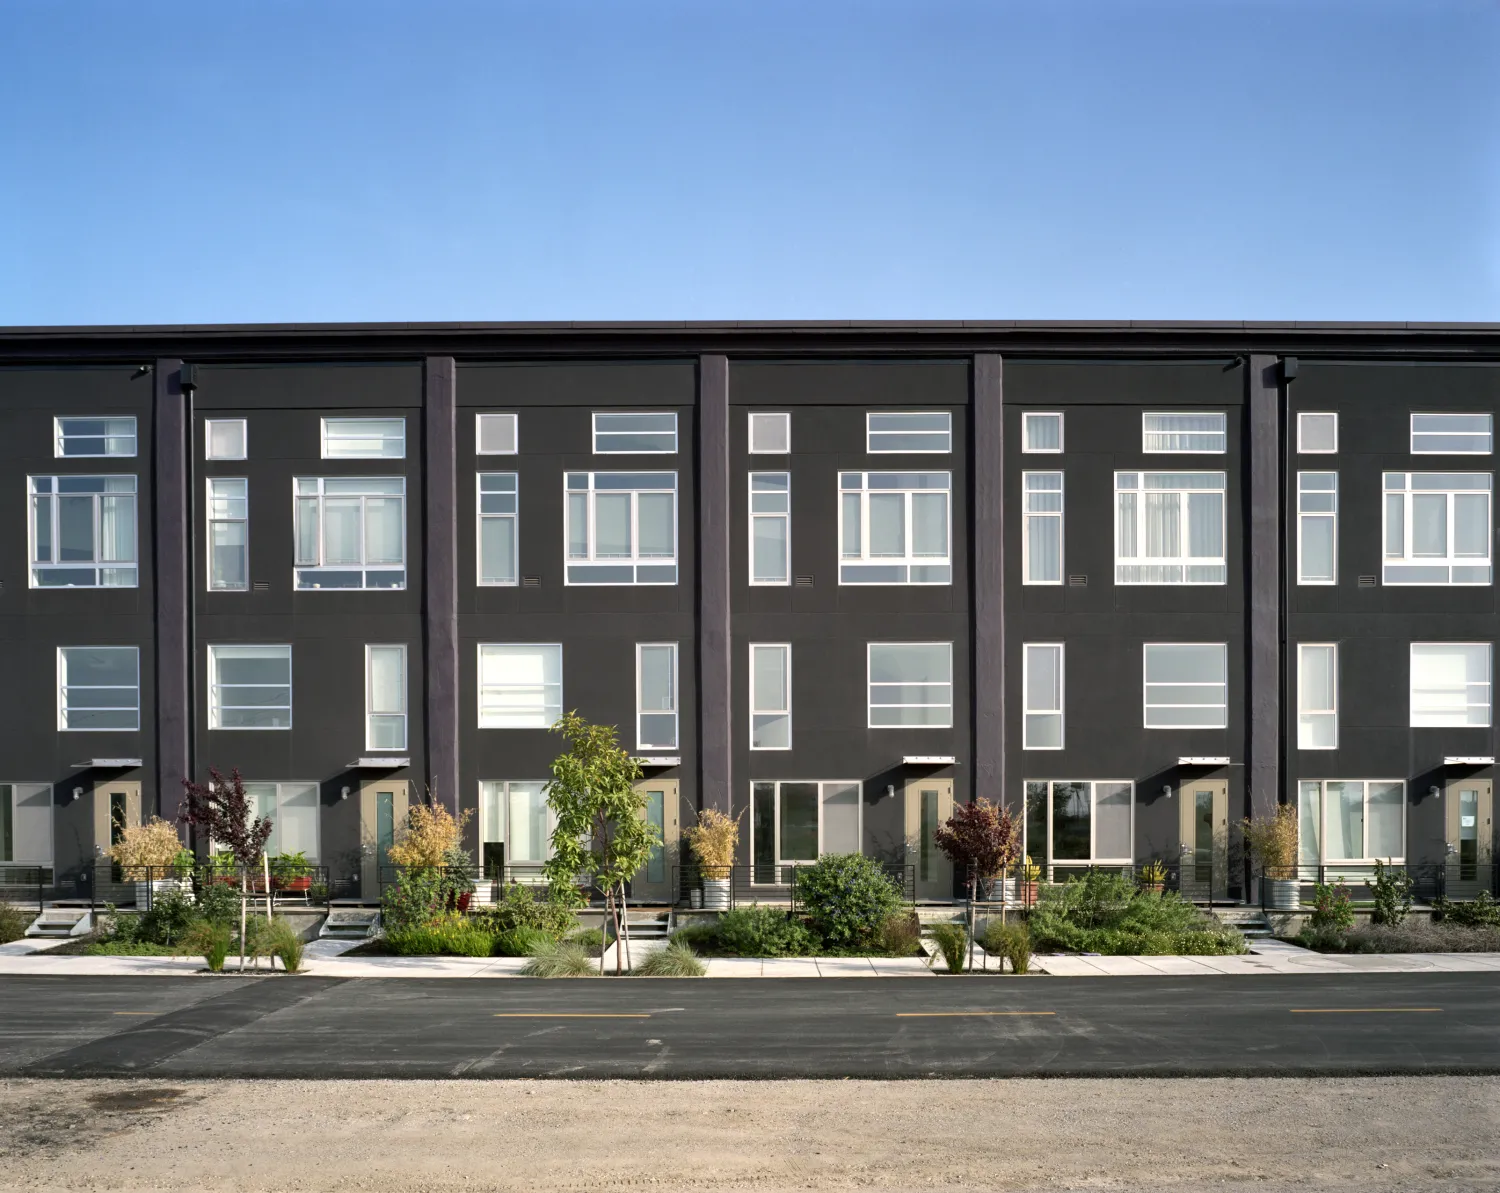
344, 793
77, 793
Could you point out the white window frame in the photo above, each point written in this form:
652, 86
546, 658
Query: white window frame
944, 436
371, 711
366, 569
515, 433
480, 517
1093, 859
1486, 684
676, 710
216, 709
546, 705
592, 561
1450, 561
64, 707
780, 865
757, 710
870, 685
1147, 685
96, 565
208, 579
1183, 561
283, 792
784, 515
1027, 712
1421, 451
786, 422
1026, 417
600, 451
1322, 826
208, 438
60, 437
1146, 433
1302, 448
908, 559
13, 790
1305, 516
1303, 711
327, 425
1027, 514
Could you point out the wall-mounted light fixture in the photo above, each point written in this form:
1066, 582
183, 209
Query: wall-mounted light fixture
1166, 789
344, 793
890, 790
77, 793
1434, 790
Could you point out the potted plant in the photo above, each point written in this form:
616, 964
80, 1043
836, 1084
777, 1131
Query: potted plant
291, 872
1273, 843
1031, 875
1152, 877
148, 855
714, 839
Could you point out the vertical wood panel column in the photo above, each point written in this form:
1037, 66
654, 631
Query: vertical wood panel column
988, 472
440, 468
713, 582
170, 534
1264, 499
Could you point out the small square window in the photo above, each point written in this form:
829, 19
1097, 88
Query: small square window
225, 439
1317, 434
770, 434
1043, 433
496, 434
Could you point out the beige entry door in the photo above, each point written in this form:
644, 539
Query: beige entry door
929, 802
654, 882
382, 811
1204, 828
1471, 837
117, 806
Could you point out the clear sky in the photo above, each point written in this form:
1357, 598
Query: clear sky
308, 160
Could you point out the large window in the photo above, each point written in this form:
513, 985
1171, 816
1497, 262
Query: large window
498, 527
351, 532
1351, 820
770, 434
83, 437
1317, 433
928, 432
1317, 696
1187, 685
1042, 534
770, 528
385, 697
1317, 527
1437, 527
225, 439
621, 527
894, 527
26, 823
292, 809
515, 826
228, 533
1450, 684
520, 685
364, 438
635, 434
1042, 683
1041, 432
1080, 822
770, 696
1184, 434
911, 684
1452, 434
83, 532
656, 695
98, 687
496, 434
1169, 528
797, 822
249, 687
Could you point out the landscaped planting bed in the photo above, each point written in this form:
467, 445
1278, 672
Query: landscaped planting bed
1105, 913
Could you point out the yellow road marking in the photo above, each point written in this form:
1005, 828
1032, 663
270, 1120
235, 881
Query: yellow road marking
962, 1014
1364, 1010
565, 1015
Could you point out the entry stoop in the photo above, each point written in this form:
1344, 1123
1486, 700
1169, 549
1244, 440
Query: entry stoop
1249, 922
350, 923
656, 926
58, 922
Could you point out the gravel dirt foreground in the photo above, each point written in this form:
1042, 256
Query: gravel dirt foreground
1262, 1133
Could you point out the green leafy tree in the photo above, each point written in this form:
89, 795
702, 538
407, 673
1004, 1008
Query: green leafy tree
601, 823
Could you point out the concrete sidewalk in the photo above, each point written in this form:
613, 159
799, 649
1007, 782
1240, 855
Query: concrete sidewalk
1269, 956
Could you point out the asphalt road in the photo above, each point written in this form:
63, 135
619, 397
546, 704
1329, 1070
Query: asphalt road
757, 1028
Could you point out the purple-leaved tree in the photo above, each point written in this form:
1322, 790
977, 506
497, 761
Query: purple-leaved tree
221, 809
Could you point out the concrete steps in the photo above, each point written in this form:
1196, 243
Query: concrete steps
62, 922
1249, 922
350, 923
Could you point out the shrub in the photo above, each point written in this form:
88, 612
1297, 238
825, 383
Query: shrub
1482, 912
589, 939
1333, 907
13, 923
952, 940
900, 935
1103, 912
846, 897
1391, 888
518, 942
1413, 936
414, 899
764, 932
1273, 841
428, 835
211, 941
1011, 941
553, 960
519, 907
676, 960
282, 940
172, 914
218, 903
701, 938
449, 935
153, 844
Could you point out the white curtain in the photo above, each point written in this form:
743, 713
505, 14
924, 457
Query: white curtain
383, 530
929, 529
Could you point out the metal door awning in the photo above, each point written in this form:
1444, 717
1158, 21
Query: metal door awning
1468, 760
107, 763
378, 763
1198, 760
659, 759
928, 760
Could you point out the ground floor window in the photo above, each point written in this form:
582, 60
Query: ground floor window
515, 826
797, 822
292, 809
1073, 821
26, 823
1351, 820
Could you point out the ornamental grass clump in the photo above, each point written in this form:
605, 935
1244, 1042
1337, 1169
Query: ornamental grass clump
1273, 842
154, 844
900, 935
952, 941
453, 935
713, 841
519, 942
281, 941
553, 960
1011, 941
211, 941
675, 960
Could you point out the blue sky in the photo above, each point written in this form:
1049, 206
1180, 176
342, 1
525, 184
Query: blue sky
259, 160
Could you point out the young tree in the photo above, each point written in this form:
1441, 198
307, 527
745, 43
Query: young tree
601, 823
983, 839
221, 810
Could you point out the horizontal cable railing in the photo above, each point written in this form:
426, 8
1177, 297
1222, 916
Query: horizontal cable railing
1292, 887
106, 881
